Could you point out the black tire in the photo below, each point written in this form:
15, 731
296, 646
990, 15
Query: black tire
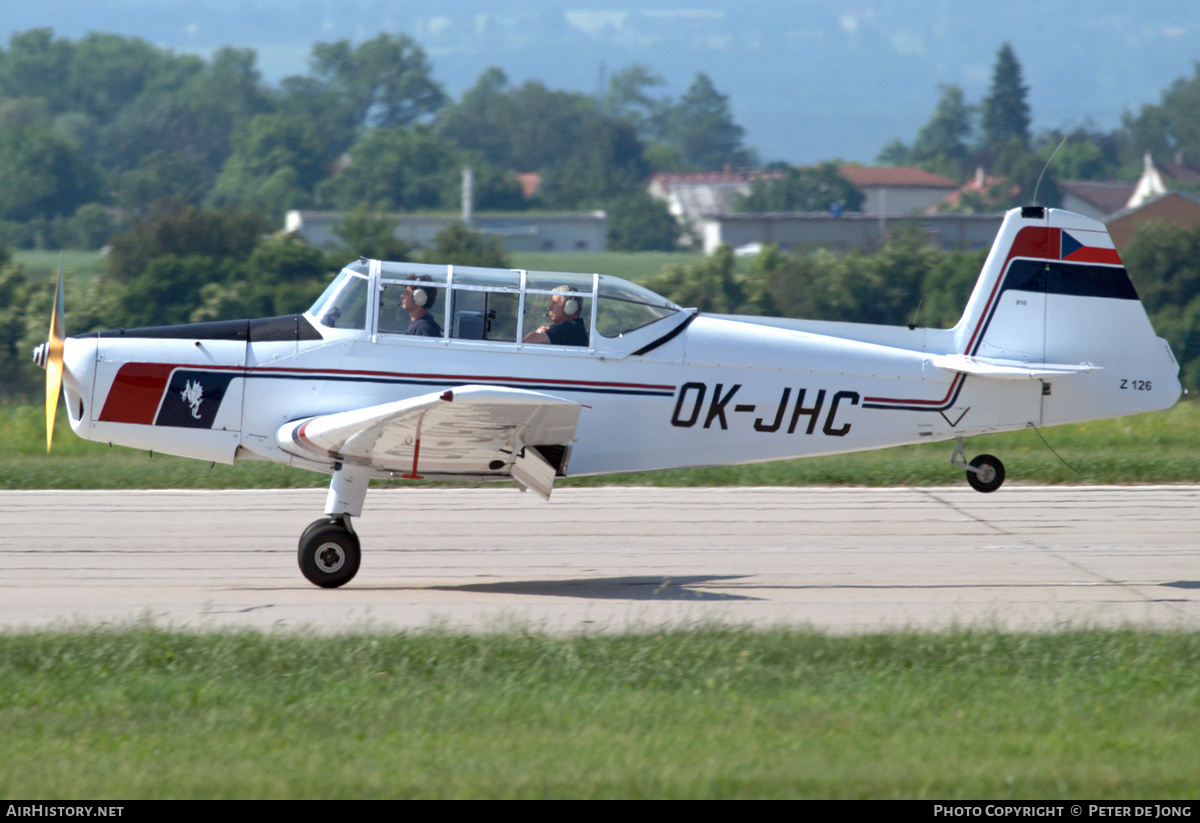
990, 476
329, 554
317, 524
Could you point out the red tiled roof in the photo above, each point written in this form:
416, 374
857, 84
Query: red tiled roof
862, 176
979, 183
530, 182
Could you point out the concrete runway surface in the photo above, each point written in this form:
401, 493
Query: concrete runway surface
839, 560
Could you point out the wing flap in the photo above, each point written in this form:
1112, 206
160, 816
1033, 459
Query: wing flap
470, 430
1007, 369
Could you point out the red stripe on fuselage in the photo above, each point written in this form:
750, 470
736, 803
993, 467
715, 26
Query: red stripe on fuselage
466, 378
136, 392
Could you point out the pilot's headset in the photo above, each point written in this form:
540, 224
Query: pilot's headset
424, 298
571, 305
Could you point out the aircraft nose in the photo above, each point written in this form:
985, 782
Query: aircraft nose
79, 372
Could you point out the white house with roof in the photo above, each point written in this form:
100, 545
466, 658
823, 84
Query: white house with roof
897, 191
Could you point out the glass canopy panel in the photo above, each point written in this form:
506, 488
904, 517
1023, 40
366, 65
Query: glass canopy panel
487, 278
624, 307
540, 289
395, 279
344, 304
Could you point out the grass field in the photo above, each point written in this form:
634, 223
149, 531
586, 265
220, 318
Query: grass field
142, 712
1163, 447
635, 266
79, 267
711, 713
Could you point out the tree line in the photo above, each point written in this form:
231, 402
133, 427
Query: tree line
200, 156
995, 135
109, 123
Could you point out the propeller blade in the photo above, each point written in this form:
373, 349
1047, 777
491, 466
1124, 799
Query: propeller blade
54, 357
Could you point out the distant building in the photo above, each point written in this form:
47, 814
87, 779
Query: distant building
692, 196
804, 230
1172, 208
1156, 180
897, 191
518, 231
890, 191
1095, 199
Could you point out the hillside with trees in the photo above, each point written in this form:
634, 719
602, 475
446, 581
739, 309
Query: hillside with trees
184, 167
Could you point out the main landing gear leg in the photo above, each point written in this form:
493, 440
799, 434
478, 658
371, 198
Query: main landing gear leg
985, 473
329, 553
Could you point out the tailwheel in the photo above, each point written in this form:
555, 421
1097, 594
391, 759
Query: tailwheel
985, 473
329, 552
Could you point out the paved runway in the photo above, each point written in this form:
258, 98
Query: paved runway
841, 560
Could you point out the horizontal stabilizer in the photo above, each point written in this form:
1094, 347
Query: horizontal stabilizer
1007, 369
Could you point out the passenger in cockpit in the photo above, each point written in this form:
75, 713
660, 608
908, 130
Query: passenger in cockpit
417, 302
566, 327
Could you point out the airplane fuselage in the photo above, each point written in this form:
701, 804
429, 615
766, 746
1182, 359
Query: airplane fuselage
720, 391
408, 371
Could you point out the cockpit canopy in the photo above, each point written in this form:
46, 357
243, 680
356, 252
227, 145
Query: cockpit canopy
469, 303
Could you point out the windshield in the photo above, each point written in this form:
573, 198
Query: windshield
344, 304
623, 307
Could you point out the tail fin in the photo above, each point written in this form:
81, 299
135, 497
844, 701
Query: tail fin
1054, 295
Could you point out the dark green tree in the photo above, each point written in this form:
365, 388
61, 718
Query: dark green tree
709, 285
1086, 154
372, 235
583, 155
895, 153
1005, 111
109, 71
942, 143
180, 231
463, 246
277, 161
160, 176
399, 169
1170, 130
42, 175
628, 98
809, 189
638, 222
194, 109
607, 163
37, 65
385, 82
529, 128
702, 128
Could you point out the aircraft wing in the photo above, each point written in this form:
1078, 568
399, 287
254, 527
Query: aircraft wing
466, 431
1007, 369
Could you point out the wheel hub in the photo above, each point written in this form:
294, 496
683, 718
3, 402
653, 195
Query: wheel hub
330, 557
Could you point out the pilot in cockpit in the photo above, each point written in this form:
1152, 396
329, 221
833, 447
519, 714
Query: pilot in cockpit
417, 301
566, 327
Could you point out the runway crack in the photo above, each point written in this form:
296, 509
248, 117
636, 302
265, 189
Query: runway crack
964, 513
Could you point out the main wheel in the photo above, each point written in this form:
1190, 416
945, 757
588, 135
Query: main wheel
990, 475
329, 554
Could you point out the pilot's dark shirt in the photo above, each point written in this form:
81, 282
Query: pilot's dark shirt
424, 326
568, 333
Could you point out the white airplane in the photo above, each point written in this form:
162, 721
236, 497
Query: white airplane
1053, 333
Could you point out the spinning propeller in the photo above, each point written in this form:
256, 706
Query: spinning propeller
49, 356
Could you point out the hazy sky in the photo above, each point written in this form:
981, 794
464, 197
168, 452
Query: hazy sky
808, 79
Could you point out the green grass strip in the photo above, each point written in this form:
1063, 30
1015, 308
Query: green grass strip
709, 713
1163, 447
